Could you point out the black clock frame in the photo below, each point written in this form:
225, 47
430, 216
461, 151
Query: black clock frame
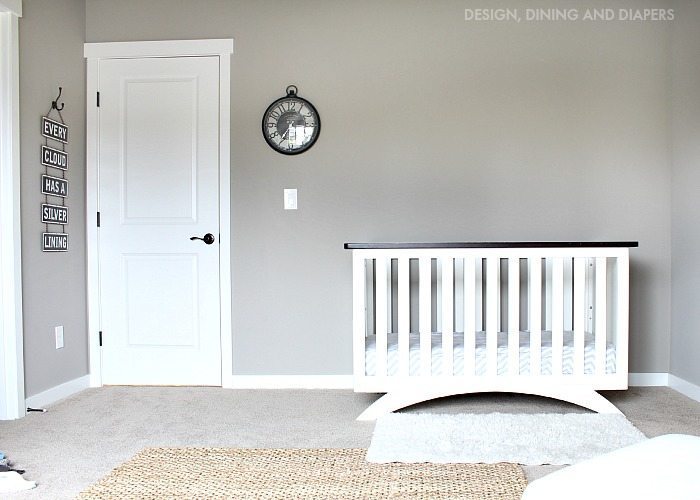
291, 92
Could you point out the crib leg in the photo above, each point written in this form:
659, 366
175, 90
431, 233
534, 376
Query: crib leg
592, 400
392, 401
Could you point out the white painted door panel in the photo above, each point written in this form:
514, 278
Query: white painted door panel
158, 178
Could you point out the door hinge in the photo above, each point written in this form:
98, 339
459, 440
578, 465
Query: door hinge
98, 219
98, 99
100, 338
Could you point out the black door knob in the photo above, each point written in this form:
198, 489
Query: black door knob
208, 238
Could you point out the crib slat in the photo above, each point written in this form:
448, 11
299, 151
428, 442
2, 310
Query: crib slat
469, 315
568, 294
622, 310
447, 316
492, 313
557, 314
535, 315
480, 294
548, 294
389, 296
381, 301
601, 318
458, 298
438, 296
369, 295
404, 314
579, 313
590, 294
424, 314
359, 324
514, 315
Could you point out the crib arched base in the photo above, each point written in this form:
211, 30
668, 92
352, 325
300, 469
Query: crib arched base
397, 399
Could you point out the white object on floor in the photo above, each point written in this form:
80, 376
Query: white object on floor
529, 439
663, 467
11, 481
481, 357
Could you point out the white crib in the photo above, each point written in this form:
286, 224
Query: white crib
543, 318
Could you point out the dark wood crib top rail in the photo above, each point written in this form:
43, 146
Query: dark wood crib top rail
494, 244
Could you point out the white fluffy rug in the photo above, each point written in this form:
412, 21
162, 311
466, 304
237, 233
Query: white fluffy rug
528, 439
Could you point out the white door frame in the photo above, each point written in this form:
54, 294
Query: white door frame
12, 403
94, 52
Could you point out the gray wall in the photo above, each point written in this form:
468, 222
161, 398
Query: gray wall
51, 55
433, 129
685, 134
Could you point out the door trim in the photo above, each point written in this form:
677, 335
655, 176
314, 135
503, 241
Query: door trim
94, 52
12, 404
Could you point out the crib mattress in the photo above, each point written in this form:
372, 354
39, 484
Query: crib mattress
480, 354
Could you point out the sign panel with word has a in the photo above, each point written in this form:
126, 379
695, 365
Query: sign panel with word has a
54, 186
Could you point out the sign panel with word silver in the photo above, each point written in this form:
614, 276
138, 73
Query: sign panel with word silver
54, 214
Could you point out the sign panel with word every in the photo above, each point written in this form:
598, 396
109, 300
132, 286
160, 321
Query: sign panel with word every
54, 130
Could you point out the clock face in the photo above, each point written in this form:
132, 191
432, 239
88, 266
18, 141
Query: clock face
291, 125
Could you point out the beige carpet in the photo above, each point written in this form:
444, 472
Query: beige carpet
81, 439
157, 473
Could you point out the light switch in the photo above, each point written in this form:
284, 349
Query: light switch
58, 332
290, 199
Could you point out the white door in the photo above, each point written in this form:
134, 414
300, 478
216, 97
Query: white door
158, 187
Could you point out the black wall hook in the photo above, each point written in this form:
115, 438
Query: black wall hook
54, 104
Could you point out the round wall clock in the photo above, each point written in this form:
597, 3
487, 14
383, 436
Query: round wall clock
291, 124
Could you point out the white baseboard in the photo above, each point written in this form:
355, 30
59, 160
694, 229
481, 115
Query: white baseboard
346, 382
684, 387
665, 380
227, 381
58, 392
74, 386
648, 379
291, 382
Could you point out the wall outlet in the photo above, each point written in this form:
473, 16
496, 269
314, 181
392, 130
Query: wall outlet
59, 337
290, 199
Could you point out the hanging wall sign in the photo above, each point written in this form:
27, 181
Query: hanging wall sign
54, 130
54, 214
54, 186
54, 242
55, 158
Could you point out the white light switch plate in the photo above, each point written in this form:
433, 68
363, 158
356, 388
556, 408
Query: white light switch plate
59, 337
290, 199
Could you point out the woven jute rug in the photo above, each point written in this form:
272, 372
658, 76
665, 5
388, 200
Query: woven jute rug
157, 473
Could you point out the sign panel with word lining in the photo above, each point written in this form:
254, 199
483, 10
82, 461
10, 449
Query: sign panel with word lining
54, 130
54, 186
54, 214
54, 242
55, 158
